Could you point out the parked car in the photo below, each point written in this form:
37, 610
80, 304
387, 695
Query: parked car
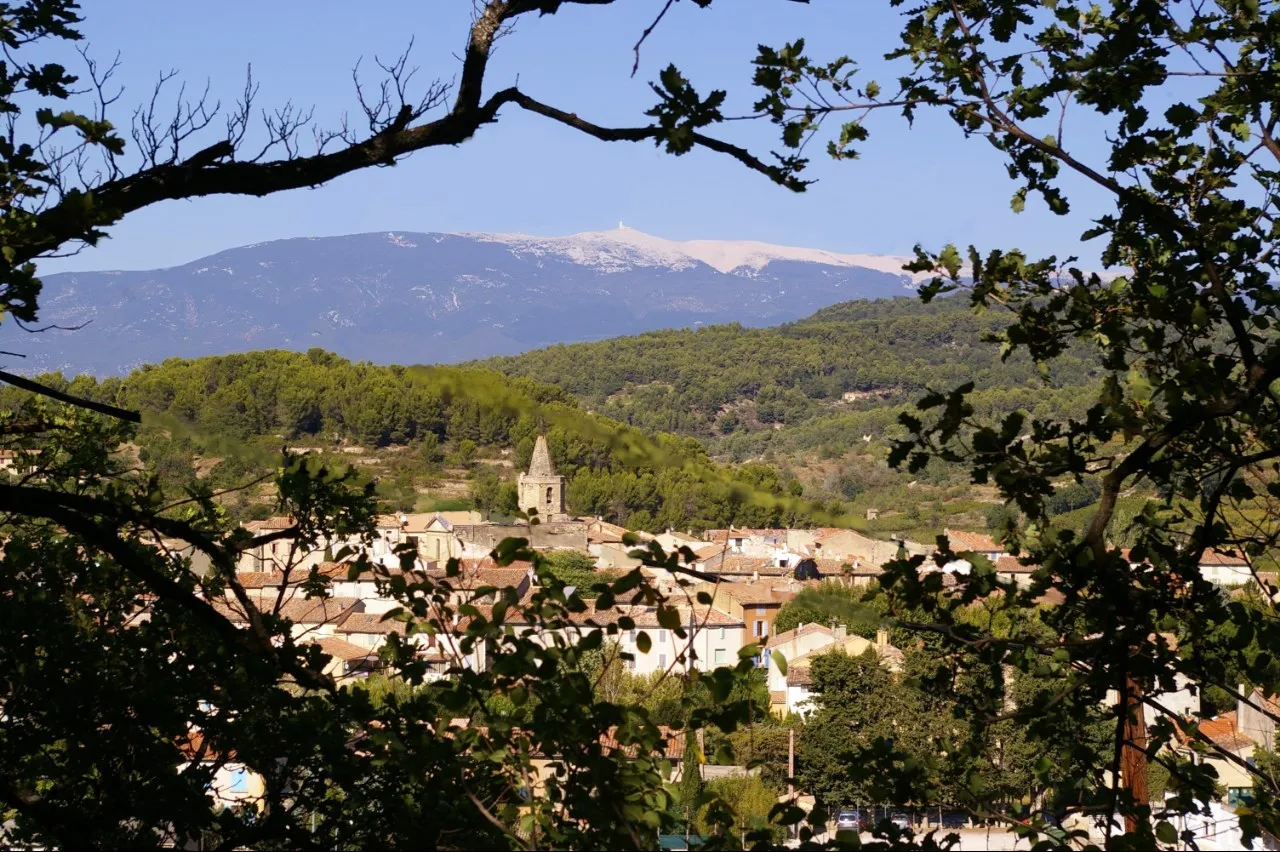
850, 819
900, 820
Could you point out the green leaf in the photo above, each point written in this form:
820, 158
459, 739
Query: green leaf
780, 662
1166, 833
643, 642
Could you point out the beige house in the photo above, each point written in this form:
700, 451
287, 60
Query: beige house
790, 692
285, 552
672, 540
1224, 732
749, 542
1010, 569
347, 661
755, 604
434, 534
860, 551
16, 463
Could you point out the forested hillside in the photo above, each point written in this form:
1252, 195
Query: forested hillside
684, 429
220, 422
825, 372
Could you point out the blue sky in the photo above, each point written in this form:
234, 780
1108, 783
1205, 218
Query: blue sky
527, 174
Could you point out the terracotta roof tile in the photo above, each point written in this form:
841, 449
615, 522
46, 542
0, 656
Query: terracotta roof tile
1008, 564
342, 649
798, 676
371, 622
318, 610
259, 579
269, 525
971, 541
1219, 557
778, 696
193, 747
718, 536
802, 630
759, 594
672, 740
742, 565
1222, 731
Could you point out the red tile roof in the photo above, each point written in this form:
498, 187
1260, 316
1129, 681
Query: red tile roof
342, 649
798, 676
742, 565
718, 536
259, 579
318, 610
1013, 565
672, 742
757, 594
192, 746
1222, 731
1219, 557
802, 630
962, 541
268, 525
371, 622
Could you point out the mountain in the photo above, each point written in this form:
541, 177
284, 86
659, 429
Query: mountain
434, 298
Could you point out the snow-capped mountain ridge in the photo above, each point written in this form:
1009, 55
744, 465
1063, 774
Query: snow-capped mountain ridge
405, 297
623, 246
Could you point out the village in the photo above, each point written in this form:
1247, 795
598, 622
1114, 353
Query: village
732, 585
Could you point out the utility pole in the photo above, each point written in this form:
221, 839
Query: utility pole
791, 763
794, 830
1133, 756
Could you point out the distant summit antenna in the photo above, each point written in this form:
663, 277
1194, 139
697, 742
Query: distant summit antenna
620, 225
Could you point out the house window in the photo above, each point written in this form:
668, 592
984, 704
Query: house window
239, 782
631, 663
737, 544
412, 540
759, 628
631, 636
719, 656
662, 661
1237, 796
662, 637
722, 634
782, 563
759, 610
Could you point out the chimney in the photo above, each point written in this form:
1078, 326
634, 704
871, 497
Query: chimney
841, 632
882, 638
755, 575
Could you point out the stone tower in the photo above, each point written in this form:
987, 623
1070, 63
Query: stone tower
540, 489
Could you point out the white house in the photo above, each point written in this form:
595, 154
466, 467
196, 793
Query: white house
1224, 568
712, 638
232, 784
